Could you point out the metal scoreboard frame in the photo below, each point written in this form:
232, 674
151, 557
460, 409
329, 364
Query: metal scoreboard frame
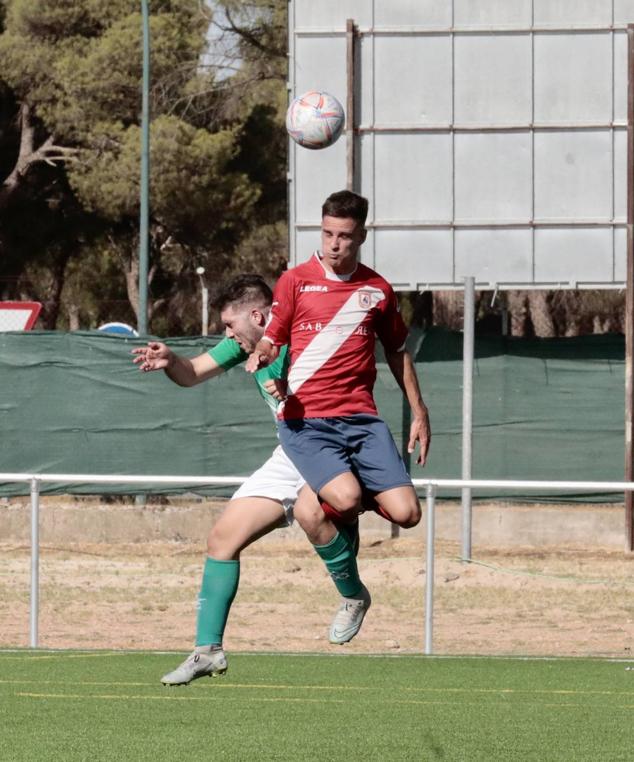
494, 140
490, 137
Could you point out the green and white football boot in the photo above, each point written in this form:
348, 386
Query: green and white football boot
211, 664
349, 617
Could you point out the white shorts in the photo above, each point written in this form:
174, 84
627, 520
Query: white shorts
277, 479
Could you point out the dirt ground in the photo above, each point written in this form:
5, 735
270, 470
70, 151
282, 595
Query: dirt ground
564, 601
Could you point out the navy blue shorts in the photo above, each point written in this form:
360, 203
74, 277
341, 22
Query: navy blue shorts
322, 448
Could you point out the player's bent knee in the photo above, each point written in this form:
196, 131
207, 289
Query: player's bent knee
309, 521
312, 532
221, 547
412, 518
346, 501
309, 516
406, 513
213, 544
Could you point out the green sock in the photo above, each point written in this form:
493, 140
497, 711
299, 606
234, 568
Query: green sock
219, 588
338, 555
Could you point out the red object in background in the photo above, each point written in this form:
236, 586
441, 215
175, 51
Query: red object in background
18, 316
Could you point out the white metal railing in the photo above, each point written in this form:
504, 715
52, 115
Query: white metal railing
431, 487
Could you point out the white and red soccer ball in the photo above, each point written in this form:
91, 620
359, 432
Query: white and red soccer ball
315, 119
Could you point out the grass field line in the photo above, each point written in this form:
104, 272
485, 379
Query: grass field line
289, 700
217, 685
45, 657
130, 697
25, 654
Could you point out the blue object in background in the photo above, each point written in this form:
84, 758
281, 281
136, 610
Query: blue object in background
122, 329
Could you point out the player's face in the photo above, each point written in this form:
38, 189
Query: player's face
341, 238
244, 324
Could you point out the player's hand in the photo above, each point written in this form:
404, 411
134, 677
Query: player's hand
154, 356
276, 387
263, 354
420, 432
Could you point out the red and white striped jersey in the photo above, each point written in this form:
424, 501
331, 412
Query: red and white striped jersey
331, 325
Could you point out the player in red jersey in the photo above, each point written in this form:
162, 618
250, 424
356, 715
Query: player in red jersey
330, 311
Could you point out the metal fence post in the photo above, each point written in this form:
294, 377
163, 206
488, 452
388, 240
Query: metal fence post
144, 212
467, 411
35, 562
429, 583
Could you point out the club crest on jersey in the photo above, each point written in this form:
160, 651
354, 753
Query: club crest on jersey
365, 300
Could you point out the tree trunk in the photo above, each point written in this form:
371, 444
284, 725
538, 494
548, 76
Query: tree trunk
29, 155
423, 313
448, 309
73, 317
52, 300
131, 269
131, 266
27, 132
518, 312
540, 314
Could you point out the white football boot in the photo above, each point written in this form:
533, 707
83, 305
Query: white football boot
197, 665
349, 617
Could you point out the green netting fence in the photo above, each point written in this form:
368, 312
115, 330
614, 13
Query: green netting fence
545, 409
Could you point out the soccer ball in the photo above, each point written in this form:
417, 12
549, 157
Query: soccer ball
315, 119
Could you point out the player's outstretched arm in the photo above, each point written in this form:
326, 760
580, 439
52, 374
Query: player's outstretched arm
181, 370
404, 372
264, 354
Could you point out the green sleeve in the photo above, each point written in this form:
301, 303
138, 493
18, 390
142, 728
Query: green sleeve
228, 354
286, 361
277, 369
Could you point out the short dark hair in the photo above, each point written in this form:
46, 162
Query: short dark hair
345, 203
242, 290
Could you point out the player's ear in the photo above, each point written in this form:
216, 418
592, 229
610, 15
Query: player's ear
364, 234
258, 317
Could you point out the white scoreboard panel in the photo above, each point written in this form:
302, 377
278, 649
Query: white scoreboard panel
491, 138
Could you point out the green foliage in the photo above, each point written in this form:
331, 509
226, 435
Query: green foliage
53, 20
194, 195
259, 28
93, 289
217, 147
80, 70
27, 66
265, 250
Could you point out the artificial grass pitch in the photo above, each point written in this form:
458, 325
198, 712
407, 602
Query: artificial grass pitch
110, 706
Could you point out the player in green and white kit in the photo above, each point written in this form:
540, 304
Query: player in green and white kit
264, 501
